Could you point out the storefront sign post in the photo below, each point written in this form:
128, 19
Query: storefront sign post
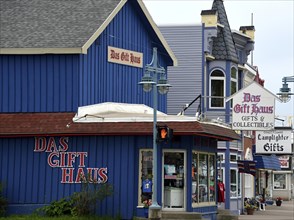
157, 81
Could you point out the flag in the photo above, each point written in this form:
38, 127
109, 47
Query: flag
246, 166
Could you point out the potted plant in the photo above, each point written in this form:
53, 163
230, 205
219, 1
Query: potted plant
278, 201
147, 203
250, 205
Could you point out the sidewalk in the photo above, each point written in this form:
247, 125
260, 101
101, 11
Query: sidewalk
283, 212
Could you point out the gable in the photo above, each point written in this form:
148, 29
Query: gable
60, 27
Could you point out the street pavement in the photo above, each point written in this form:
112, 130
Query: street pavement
283, 212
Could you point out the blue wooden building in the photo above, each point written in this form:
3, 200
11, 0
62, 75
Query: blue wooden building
56, 56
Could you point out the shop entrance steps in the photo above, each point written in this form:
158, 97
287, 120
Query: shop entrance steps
180, 215
224, 214
177, 215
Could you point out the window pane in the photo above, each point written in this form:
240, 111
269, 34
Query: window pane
217, 73
233, 73
212, 178
217, 89
280, 181
233, 87
195, 198
203, 178
146, 176
233, 158
239, 184
233, 191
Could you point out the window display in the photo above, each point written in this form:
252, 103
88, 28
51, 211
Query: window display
203, 178
145, 177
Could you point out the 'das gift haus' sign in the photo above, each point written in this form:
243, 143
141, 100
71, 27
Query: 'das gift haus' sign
71, 163
253, 108
125, 57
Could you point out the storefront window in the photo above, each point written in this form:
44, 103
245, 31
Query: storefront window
145, 177
280, 181
203, 178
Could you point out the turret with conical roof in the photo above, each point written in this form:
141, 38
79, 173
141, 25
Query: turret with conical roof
223, 45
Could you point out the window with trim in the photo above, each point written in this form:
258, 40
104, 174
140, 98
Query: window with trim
220, 158
221, 174
203, 178
145, 177
217, 89
233, 184
280, 181
239, 185
233, 158
234, 82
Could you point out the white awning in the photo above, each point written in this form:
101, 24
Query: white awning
123, 112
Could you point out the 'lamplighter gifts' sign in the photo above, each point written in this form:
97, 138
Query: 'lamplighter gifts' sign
72, 164
253, 108
273, 142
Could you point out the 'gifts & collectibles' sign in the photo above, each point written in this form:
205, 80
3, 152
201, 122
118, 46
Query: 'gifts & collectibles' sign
273, 142
253, 109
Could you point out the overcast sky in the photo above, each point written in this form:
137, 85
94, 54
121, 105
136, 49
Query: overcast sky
273, 21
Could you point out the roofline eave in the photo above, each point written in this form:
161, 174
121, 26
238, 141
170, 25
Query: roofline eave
13, 51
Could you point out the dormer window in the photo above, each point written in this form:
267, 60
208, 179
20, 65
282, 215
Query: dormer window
217, 89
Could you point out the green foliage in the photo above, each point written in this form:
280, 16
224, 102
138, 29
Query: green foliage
37, 217
57, 208
3, 202
85, 201
81, 203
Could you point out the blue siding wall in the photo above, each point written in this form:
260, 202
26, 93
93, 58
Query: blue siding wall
29, 181
61, 83
101, 81
38, 83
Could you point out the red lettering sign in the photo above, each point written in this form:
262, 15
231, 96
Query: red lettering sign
58, 157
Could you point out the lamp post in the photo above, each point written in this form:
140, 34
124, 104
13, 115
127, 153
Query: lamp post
284, 93
154, 77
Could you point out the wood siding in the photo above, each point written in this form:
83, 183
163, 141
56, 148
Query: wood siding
61, 83
30, 182
186, 79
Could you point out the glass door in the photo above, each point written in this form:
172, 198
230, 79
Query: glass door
174, 180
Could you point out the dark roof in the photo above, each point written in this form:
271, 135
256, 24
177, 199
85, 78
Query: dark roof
244, 28
208, 12
223, 45
51, 23
35, 124
60, 26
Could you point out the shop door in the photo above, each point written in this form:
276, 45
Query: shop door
174, 196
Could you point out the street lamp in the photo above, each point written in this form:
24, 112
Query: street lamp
154, 77
284, 93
